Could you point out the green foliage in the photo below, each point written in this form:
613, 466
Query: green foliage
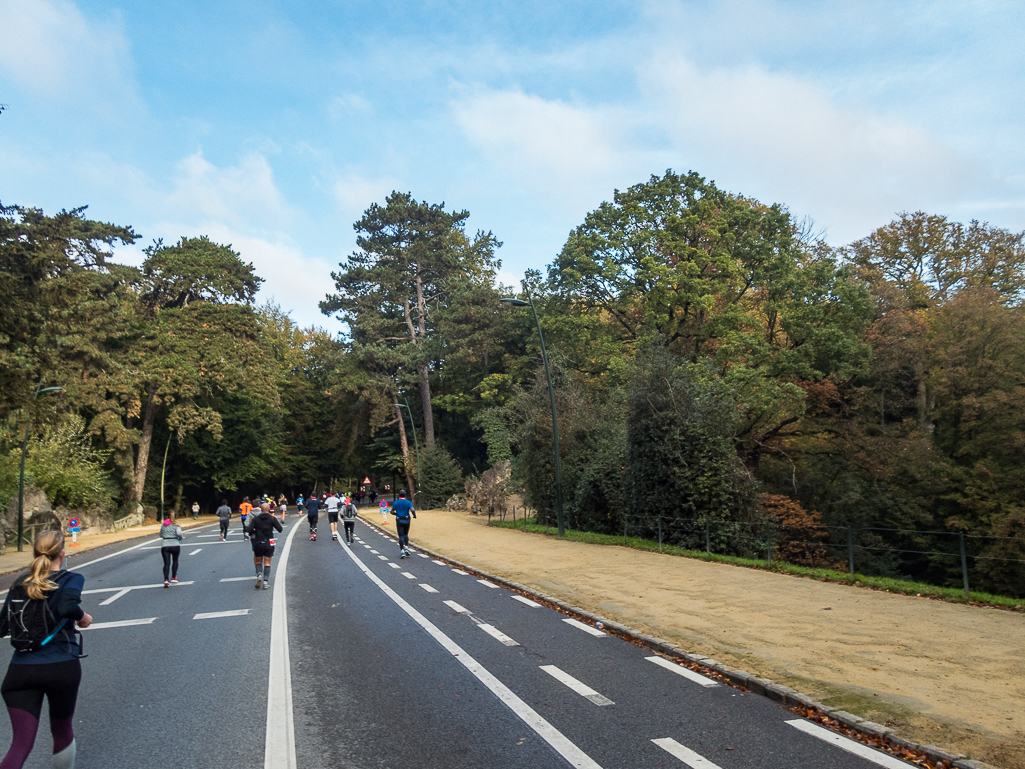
439, 475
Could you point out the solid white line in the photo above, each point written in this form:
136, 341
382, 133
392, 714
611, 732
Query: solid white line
585, 627
216, 614
197, 550
527, 601
688, 756
845, 743
579, 687
494, 632
486, 583
440, 563
120, 623
394, 565
279, 745
574, 755
130, 587
427, 587
456, 607
407, 575
250, 578
680, 670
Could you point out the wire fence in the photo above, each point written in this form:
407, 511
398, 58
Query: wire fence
943, 558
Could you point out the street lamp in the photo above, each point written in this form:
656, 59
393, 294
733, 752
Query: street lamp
416, 445
551, 398
21, 475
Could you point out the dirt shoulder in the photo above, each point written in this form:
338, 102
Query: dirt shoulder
937, 673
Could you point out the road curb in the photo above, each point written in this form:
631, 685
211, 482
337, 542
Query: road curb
848, 724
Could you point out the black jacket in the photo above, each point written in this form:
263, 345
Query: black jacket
261, 527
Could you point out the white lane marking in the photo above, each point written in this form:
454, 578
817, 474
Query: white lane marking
197, 550
367, 547
120, 623
486, 583
579, 687
585, 627
559, 742
216, 614
250, 578
527, 601
427, 587
440, 563
423, 555
685, 754
225, 542
374, 552
209, 535
460, 571
494, 632
383, 557
407, 575
394, 565
680, 670
116, 595
279, 750
120, 592
456, 607
845, 743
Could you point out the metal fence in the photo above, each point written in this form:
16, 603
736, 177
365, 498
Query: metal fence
933, 557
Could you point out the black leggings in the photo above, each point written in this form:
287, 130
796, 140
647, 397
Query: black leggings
224, 527
169, 553
349, 527
402, 529
23, 689
312, 520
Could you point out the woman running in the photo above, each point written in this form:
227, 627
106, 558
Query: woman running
50, 667
170, 548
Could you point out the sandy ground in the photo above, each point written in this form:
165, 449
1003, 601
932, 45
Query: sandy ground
937, 673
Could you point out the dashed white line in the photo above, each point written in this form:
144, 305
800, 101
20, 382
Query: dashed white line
407, 575
394, 565
494, 632
680, 670
423, 555
216, 614
456, 607
382, 557
440, 563
375, 552
427, 587
527, 601
585, 627
487, 584
197, 550
120, 623
460, 572
685, 754
367, 547
845, 743
579, 687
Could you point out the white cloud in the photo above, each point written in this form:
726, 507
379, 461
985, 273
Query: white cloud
50, 49
355, 194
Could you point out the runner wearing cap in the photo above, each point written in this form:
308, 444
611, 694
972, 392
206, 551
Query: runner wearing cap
402, 509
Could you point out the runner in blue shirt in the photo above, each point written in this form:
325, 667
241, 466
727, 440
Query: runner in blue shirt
402, 509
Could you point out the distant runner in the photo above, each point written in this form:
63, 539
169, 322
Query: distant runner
224, 513
332, 503
402, 509
244, 510
261, 530
349, 519
312, 513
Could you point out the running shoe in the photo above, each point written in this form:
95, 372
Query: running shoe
174, 580
405, 552
166, 583
266, 585
258, 581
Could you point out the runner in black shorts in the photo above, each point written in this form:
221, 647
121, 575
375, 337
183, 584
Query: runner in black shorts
312, 513
261, 529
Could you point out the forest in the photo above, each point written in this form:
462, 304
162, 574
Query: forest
724, 378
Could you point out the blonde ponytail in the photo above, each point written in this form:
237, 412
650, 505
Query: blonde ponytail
47, 549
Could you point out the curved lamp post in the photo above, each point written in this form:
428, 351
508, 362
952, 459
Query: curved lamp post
416, 445
21, 473
551, 399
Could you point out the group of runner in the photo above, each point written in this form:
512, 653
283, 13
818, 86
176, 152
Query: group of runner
335, 507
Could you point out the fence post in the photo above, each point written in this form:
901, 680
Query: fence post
768, 551
964, 567
850, 549
660, 534
708, 536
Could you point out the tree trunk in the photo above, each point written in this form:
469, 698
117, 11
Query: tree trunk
425, 372
405, 457
142, 461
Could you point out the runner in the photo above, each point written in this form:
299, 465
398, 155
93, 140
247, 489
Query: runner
53, 669
224, 513
283, 506
349, 519
312, 513
332, 503
244, 510
402, 510
170, 547
261, 530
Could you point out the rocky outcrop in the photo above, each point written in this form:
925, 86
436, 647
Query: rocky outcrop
488, 496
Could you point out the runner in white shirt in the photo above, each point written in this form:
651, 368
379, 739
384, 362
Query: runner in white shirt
333, 503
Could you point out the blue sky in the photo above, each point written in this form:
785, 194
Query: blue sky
273, 126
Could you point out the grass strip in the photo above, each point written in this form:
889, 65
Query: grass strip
887, 584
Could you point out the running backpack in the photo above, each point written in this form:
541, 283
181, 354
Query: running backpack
30, 621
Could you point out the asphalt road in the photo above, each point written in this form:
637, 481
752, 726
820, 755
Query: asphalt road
362, 659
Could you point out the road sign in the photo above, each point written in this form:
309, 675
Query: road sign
73, 524
384, 504
367, 479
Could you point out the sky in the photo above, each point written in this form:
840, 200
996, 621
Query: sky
272, 126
